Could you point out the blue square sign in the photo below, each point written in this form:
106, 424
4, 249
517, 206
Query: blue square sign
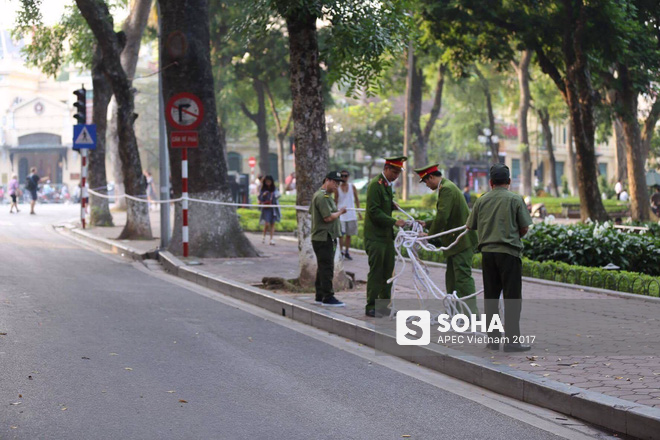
84, 136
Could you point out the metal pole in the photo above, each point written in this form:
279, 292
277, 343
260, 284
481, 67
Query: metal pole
184, 202
406, 129
164, 171
83, 186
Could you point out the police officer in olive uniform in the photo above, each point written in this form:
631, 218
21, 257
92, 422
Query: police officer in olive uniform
501, 219
452, 212
325, 231
379, 234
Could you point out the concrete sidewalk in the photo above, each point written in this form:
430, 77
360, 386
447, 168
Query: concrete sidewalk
605, 344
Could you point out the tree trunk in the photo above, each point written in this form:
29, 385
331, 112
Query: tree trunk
544, 116
259, 119
493, 146
416, 95
281, 135
649, 127
621, 161
309, 128
214, 230
100, 210
133, 27
582, 120
570, 161
579, 94
640, 206
522, 70
100, 22
437, 104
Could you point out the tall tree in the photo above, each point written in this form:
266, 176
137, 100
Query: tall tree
100, 22
485, 86
636, 71
100, 211
567, 36
133, 29
214, 229
360, 33
521, 67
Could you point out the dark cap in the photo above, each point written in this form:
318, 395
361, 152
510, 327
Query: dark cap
499, 171
334, 175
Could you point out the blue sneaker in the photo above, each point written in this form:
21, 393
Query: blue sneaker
331, 301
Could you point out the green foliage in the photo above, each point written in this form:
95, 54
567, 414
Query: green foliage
70, 41
593, 245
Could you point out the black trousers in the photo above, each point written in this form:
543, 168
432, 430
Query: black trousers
325, 267
503, 272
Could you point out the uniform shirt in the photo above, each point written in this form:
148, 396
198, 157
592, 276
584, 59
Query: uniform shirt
452, 212
323, 205
498, 217
378, 221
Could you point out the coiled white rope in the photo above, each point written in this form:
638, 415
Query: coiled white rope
412, 240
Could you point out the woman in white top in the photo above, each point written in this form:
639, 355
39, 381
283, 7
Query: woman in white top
347, 197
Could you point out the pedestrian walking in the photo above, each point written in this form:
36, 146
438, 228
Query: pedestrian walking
32, 185
151, 192
379, 234
346, 196
466, 194
501, 220
618, 189
268, 196
14, 192
325, 231
452, 212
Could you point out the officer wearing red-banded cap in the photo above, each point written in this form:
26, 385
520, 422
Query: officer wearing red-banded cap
452, 212
379, 235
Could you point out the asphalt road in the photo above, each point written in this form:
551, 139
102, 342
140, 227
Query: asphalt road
97, 348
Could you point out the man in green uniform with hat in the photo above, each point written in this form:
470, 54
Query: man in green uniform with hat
501, 219
379, 234
452, 212
325, 231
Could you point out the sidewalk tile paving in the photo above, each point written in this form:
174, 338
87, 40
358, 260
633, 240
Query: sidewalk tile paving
593, 341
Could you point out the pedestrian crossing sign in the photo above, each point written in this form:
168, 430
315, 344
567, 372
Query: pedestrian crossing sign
84, 136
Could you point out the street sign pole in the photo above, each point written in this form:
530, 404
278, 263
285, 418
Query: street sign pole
184, 202
83, 186
184, 111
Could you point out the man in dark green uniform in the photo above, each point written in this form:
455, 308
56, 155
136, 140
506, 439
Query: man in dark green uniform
452, 212
501, 218
379, 234
325, 231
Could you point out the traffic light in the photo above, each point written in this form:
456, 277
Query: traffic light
81, 106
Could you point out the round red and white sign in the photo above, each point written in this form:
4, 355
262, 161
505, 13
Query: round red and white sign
184, 111
252, 162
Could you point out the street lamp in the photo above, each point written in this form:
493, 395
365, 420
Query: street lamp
489, 139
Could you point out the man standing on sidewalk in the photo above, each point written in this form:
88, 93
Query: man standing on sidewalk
501, 219
325, 231
346, 196
379, 234
452, 212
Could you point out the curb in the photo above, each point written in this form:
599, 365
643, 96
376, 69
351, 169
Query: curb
609, 412
111, 245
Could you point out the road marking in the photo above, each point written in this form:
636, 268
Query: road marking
545, 419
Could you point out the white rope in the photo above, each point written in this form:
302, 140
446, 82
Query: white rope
412, 241
209, 202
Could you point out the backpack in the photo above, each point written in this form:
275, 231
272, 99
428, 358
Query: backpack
29, 183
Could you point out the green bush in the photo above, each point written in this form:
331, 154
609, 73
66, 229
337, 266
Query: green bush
593, 245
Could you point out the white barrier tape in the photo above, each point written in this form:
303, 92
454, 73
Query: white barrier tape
210, 202
184, 201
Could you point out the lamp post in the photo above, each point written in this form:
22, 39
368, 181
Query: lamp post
489, 139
